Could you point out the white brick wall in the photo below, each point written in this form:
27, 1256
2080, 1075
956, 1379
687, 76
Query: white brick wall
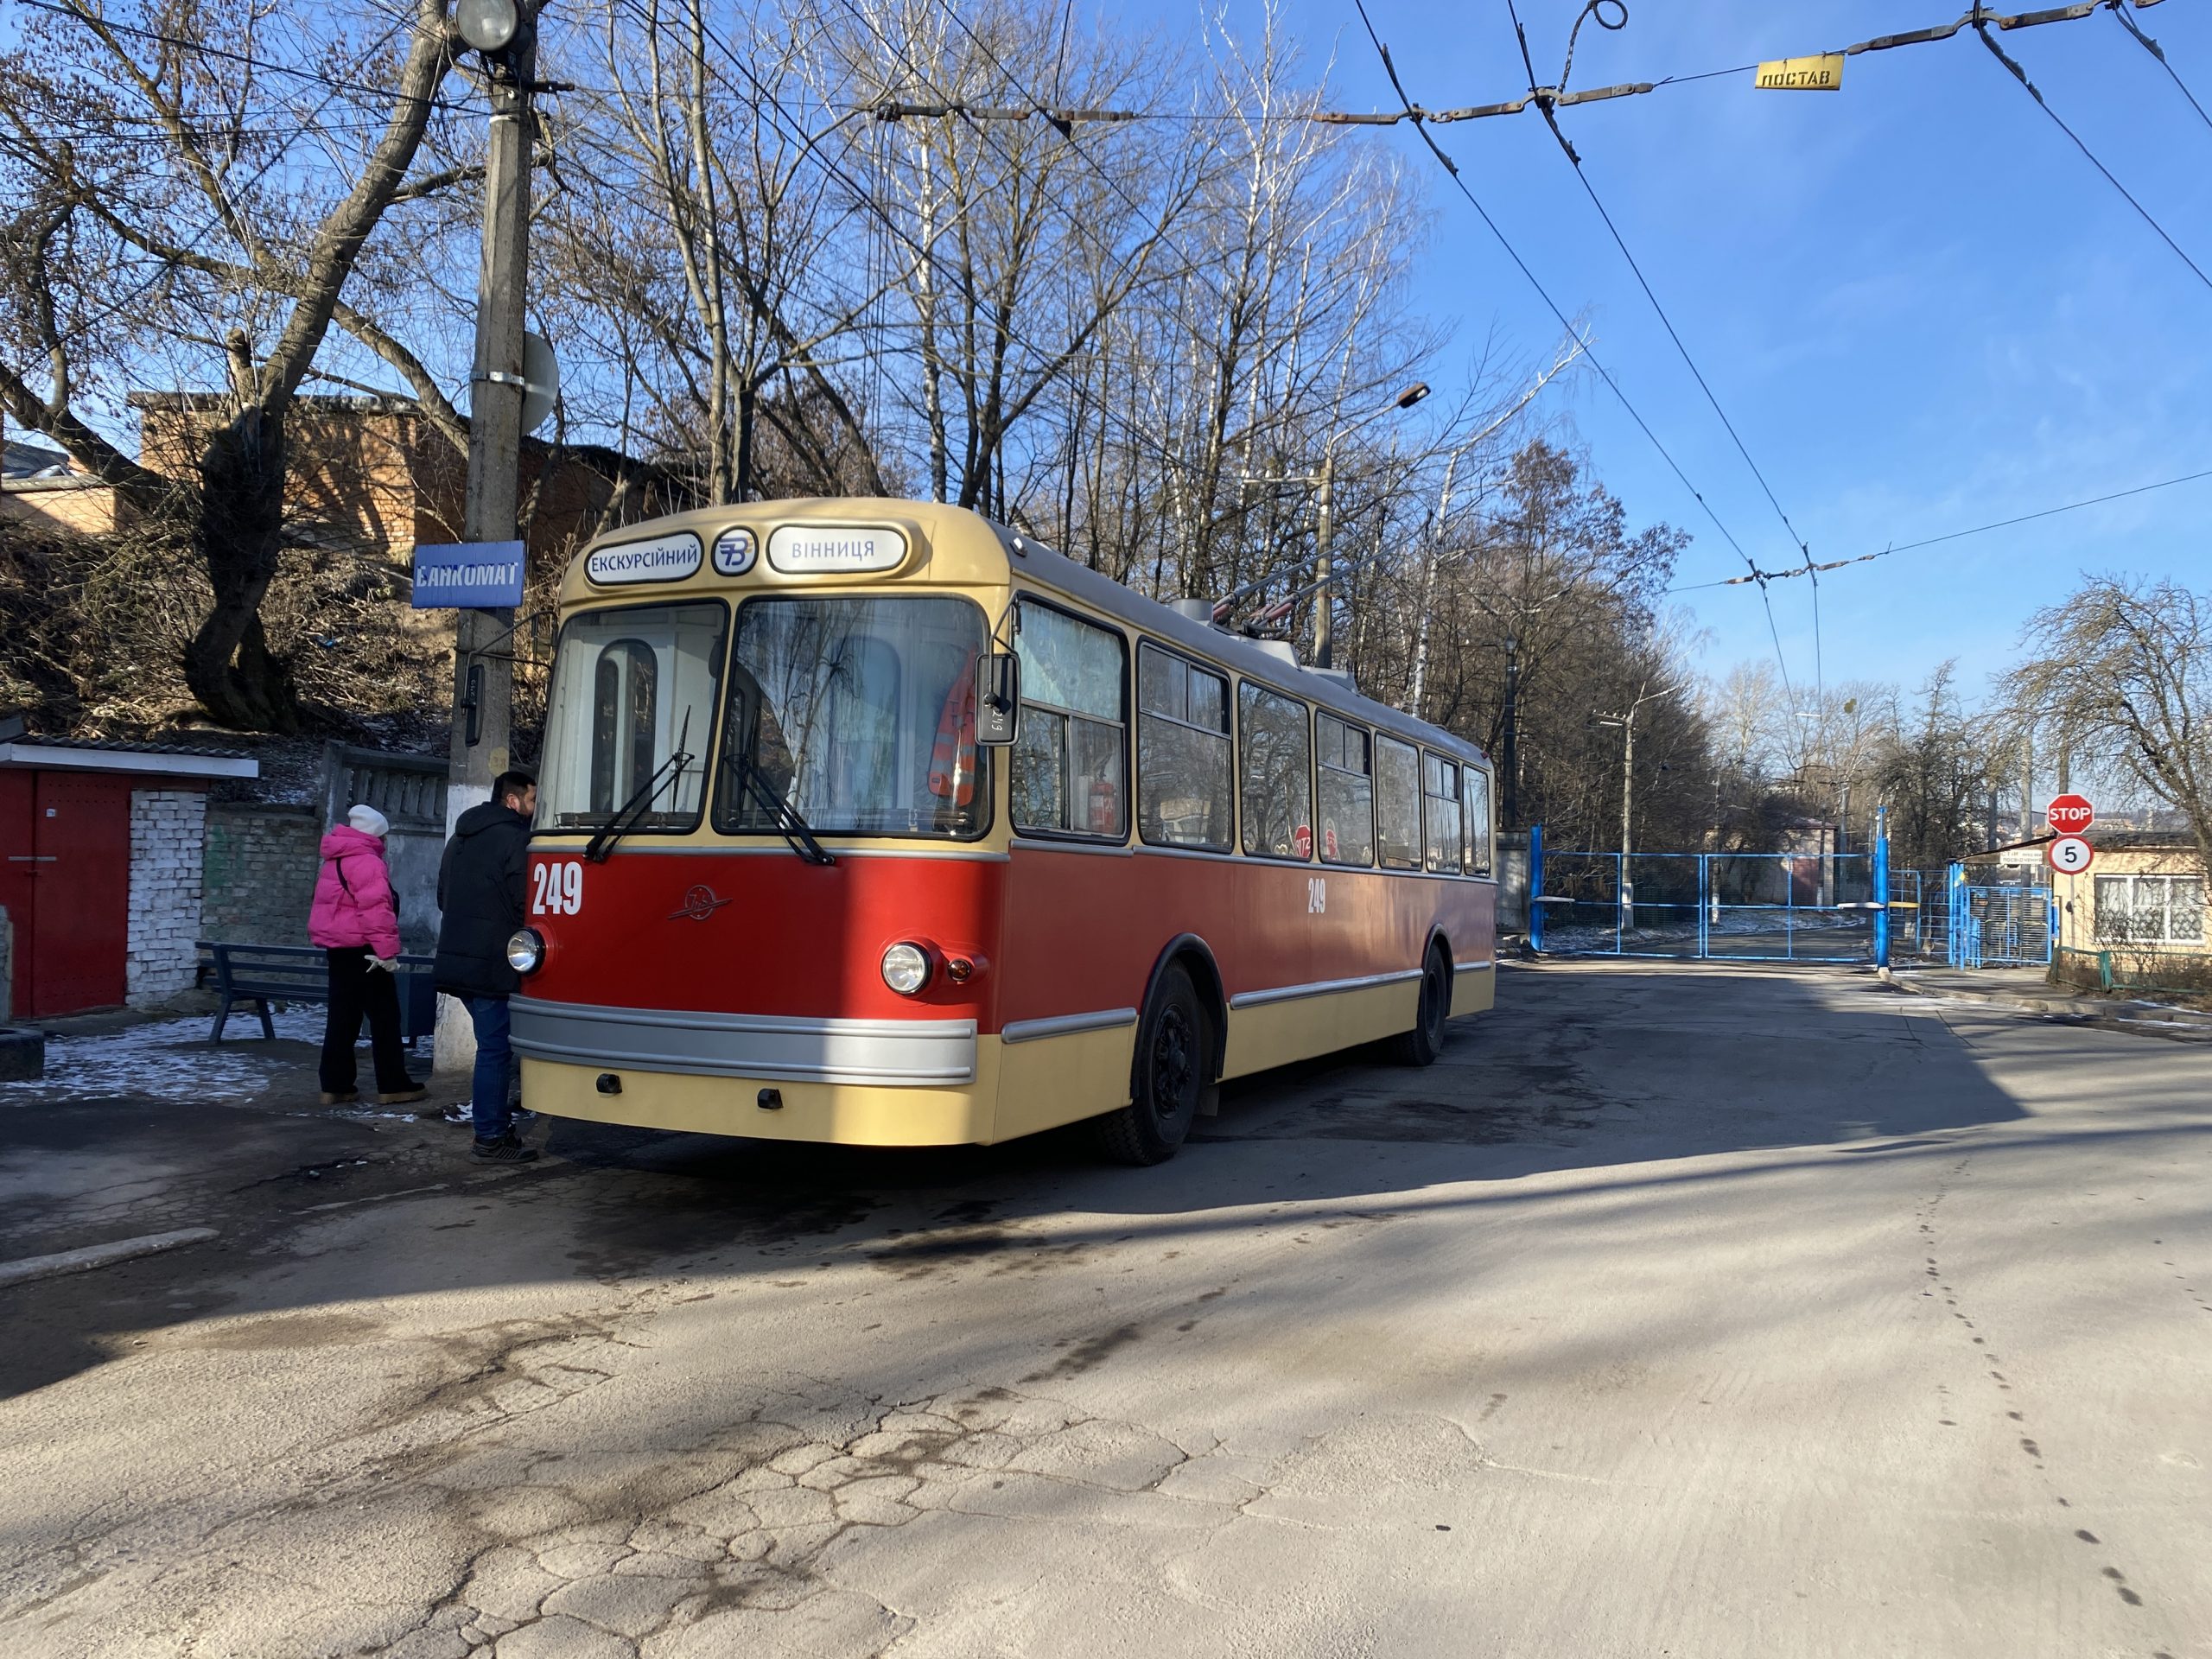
169, 835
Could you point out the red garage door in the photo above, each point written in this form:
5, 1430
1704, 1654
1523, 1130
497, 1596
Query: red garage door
65, 844
18, 854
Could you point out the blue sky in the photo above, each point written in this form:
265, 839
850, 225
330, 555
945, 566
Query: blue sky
1922, 307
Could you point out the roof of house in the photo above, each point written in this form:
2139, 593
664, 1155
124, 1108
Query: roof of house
110, 754
20, 459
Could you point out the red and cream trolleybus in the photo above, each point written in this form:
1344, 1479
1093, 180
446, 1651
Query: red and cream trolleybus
874, 822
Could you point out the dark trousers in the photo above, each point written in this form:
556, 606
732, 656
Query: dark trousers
495, 1060
356, 988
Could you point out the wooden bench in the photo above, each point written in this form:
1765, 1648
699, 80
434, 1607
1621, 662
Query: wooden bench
263, 974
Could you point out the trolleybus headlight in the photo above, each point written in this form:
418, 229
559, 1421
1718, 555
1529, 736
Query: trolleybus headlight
525, 952
905, 968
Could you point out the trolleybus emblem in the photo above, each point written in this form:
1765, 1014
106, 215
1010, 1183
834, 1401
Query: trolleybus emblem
699, 904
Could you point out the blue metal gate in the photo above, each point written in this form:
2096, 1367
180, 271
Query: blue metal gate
1736, 907
2010, 924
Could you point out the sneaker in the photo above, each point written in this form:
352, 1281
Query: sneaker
504, 1150
401, 1097
456, 1114
341, 1097
522, 1115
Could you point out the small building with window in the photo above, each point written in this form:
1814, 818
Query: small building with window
2137, 915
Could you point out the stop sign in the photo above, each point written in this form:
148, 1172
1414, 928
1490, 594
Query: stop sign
2070, 815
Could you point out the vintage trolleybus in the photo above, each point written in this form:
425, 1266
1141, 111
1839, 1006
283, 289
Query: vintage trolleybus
872, 821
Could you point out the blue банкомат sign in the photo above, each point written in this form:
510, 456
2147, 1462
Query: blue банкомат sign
473, 575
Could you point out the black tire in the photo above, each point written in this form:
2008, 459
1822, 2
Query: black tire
1420, 1046
1174, 1042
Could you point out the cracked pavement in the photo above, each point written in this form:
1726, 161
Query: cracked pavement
1690, 1310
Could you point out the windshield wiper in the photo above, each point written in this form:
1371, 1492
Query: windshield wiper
627, 816
794, 829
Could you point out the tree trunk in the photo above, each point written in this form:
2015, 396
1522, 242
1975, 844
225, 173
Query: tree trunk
239, 535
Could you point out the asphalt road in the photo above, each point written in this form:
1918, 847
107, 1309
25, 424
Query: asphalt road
1679, 1310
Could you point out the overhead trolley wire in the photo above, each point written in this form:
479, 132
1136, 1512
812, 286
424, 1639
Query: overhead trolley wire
1452, 168
893, 110
1545, 98
1981, 29
1957, 535
2153, 49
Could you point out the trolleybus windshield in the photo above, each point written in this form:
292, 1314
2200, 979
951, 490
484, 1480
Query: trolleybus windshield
858, 713
631, 686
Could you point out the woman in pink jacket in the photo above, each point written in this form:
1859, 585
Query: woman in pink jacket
356, 921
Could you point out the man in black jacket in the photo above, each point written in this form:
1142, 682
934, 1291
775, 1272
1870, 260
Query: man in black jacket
482, 881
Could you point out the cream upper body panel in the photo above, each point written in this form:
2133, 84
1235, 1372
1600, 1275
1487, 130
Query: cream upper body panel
942, 547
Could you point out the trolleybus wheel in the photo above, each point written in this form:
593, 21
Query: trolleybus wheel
1169, 1077
1420, 1046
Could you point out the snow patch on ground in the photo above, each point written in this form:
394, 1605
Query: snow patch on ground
169, 1060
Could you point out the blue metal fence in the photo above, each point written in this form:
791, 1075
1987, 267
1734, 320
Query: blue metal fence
1738, 906
1782, 907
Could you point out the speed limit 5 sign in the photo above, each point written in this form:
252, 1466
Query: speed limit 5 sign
2069, 855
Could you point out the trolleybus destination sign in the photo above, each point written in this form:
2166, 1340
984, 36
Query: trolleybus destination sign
666, 558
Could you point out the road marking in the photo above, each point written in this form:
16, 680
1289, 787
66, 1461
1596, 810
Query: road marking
33, 1268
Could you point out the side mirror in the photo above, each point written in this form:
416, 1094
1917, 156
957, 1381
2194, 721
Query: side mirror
998, 698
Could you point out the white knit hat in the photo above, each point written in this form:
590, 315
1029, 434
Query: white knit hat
368, 821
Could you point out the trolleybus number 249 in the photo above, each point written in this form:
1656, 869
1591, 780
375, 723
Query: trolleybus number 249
963, 842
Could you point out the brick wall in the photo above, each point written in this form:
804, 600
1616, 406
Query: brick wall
169, 832
259, 875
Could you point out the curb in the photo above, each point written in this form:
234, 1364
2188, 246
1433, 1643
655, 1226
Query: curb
31, 1268
2070, 1009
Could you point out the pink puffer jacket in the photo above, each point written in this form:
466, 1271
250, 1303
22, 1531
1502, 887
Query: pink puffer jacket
354, 904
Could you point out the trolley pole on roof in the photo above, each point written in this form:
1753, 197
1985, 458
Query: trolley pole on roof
505, 33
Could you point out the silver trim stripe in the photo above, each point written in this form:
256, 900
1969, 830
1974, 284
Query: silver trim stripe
911, 1053
1474, 967
1066, 1025
1319, 987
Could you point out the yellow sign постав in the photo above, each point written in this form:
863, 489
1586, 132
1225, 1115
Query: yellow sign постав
1823, 74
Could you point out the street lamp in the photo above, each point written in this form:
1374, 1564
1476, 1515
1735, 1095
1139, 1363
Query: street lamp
487, 25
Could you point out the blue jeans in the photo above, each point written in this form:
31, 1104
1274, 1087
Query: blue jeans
495, 1059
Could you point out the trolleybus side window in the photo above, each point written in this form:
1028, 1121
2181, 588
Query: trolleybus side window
858, 713
1397, 803
1278, 765
1440, 788
1347, 793
1068, 759
631, 687
1182, 760
1478, 821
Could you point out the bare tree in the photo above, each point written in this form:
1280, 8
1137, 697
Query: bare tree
2119, 674
199, 202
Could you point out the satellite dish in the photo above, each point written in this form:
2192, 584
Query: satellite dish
541, 373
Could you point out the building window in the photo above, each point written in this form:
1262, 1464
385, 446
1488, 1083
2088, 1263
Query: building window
1183, 759
1397, 803
1440, 788
1068, 759
2150, 910
1278, 773
1347, 792
1476, 827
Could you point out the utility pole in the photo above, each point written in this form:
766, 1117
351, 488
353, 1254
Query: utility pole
483, 657
1324, 523
1627, 796
482, 675
1626, 721
1508, 758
